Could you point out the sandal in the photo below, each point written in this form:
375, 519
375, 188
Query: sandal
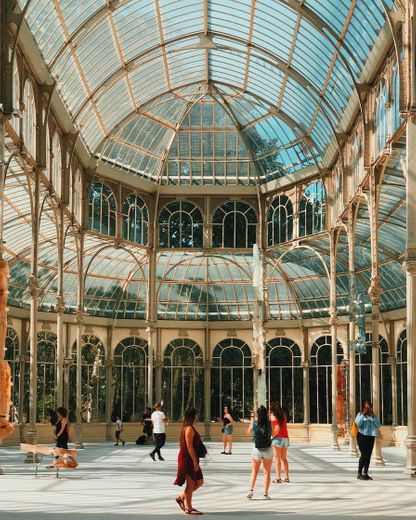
180, 503
277, 481
193, 511
286, 480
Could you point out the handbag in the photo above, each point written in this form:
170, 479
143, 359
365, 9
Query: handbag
354, 430
202, 450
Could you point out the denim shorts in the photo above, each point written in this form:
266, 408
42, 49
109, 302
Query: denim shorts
280, 442
261, 454
228, 430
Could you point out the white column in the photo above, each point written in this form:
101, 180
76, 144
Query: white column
34, 293
60, 342
78, 441
333, 320
305, 374
352, 408
410, 266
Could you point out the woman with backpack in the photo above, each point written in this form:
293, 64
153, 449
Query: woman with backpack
280, 441
261, 452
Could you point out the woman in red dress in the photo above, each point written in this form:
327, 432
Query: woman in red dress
189, 471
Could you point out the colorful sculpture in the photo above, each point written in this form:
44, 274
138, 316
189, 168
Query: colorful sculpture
6, 427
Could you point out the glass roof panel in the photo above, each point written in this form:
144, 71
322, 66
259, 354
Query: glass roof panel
132, 52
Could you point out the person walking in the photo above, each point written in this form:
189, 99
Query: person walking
261, 452
368, 425
61, 428
227, 431
159, 421
189, 470
119, 429
280, 441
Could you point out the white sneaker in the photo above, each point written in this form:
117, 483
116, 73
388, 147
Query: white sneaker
266, 497
250, 495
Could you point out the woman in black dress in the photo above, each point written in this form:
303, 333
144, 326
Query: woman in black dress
61, 428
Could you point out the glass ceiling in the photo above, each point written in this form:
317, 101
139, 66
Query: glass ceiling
283, 72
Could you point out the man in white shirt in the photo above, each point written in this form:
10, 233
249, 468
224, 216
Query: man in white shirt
159, 421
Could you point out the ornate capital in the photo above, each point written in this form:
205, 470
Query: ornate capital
305, 364
410, 266
60, 306
33, 286
79, 316
207, 364
333, 318
392, 361
374, 290
158, 363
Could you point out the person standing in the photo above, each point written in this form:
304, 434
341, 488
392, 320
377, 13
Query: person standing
119, 429
147, 422
280, 441
61, 428
159, 421
368, 425
262, 452
189, 470
227, 431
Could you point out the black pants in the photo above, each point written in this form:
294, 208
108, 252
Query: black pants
366, 445
160, 439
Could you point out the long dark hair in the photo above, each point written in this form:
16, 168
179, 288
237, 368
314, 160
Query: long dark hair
262, 416
188, 420
278, 412
367, 408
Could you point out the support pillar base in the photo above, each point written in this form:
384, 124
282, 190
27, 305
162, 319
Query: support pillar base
108, 431
335, 445
78, 441
32, 438
410, 444
1, 471
378, 457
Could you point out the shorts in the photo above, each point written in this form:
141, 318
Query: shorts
261, 454
280, 442
228, 430
118, 434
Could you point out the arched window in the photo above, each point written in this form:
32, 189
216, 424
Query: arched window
130, 379
234, 224
356, 161
381, 118
280, 221
180, 225
364, 378
285, 377
312, 209
29, 119
12, 356
396, 120
101, 209
135, 220
402, 379
56, 164
46, 373
76, 189
231, 379
320, 377
93, 377
183, 378
16, 96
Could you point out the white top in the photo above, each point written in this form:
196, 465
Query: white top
118, 425
158, 424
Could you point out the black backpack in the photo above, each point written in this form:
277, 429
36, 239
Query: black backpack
262, 437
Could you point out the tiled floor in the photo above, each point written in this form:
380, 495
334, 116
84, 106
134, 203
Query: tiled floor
124, 483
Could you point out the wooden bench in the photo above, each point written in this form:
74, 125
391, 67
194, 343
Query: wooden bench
63, 459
